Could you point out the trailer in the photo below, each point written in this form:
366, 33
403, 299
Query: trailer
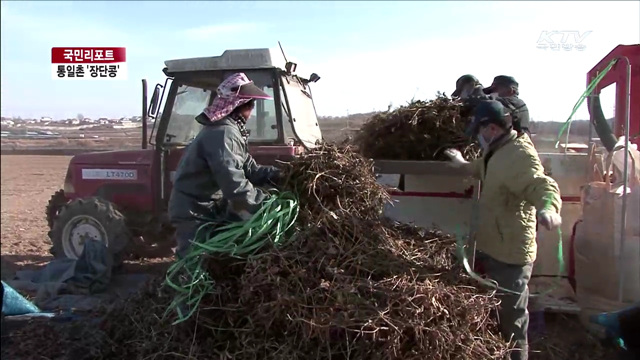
429, 193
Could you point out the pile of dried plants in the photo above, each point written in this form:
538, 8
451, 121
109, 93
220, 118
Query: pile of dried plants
351, 285
421, 130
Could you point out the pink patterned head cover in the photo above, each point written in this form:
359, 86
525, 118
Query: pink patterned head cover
234, 91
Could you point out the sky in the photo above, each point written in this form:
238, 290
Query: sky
369, 54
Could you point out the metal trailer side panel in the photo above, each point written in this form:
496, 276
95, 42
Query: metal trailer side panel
436, 193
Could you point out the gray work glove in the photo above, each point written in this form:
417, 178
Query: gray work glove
456, 157
244, 215
549, 219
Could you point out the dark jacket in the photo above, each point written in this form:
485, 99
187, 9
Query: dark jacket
476, 96
218, 159
519, 113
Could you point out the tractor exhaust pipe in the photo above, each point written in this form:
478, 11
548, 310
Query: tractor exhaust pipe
145, 115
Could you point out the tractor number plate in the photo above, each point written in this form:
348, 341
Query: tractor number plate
109, 174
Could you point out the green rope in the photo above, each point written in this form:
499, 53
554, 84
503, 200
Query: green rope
238, 239
460, 246
592, 86
493, 284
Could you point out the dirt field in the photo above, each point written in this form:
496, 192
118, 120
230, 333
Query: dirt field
27, 184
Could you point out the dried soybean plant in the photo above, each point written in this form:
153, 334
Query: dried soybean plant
351, 285
421, 130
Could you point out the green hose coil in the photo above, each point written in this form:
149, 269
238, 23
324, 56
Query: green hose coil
238, 239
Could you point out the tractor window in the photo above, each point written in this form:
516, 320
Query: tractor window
302, 110
189, 103
263, 123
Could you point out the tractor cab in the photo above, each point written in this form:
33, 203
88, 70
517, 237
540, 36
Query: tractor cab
279, 129
288, 122
120, 197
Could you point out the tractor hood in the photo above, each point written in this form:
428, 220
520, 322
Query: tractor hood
125, 157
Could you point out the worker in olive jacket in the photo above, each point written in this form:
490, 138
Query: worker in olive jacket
515, 192
218, 160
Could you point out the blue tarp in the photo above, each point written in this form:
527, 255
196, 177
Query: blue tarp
15, 304
611, 322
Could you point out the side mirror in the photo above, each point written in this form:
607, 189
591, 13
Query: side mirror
314, 78
153, 104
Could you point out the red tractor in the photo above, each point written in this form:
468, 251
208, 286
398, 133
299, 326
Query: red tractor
120, 197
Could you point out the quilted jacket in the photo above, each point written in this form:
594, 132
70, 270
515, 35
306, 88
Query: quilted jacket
514, 186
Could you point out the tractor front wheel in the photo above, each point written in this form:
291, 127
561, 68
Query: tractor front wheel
84, 219
57, 201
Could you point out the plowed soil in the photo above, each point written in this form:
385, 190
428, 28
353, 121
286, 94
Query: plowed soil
27, 184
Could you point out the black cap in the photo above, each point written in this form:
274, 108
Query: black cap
501, 80
462, 82
487, 111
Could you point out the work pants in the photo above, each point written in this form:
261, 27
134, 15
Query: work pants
513, 315
185, 232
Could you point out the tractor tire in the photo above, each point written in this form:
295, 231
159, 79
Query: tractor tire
92, 217
57, 201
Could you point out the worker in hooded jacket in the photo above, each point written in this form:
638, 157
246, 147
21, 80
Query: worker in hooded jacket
469, 92
468, 86
515, 192
505, 89
218, 160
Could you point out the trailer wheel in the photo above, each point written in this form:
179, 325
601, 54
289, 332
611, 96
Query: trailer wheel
57, 201
88, 218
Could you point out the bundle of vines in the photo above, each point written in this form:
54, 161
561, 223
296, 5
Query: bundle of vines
420, 130
342, 283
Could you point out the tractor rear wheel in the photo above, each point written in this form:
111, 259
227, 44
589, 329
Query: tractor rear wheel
57, 201
93, 218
